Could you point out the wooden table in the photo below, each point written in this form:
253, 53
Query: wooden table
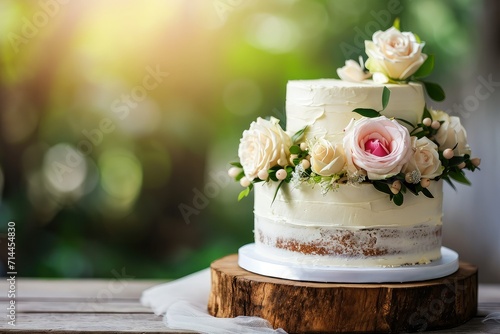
112, 306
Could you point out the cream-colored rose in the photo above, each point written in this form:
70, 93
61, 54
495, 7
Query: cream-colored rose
451, 134
394, 53
425, 159
326, 158
263, 146
379, 146
352, 71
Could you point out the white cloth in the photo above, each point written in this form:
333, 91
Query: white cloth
183, 303
495, 316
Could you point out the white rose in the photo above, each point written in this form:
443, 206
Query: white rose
352, 71
378, 145
425, 158
395, 54
451, 133
263, 146
326, 158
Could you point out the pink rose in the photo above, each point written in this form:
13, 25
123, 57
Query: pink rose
379, 146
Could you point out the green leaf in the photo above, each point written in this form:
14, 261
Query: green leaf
414, 188
386, 94
427, 193
405, 121
417, 38
398, 199
295, 149
447, 179
456, 160
459, 177
239, 176
298, 134
236, 164
397, 23
277, 189
244, 193
434, 90
382, 186
426, 114
419, 134
425, 69
370, 113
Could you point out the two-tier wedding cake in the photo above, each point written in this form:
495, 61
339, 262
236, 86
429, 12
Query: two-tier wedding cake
355, 179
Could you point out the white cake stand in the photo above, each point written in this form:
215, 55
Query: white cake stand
251, 260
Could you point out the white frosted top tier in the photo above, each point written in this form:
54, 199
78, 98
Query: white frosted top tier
326, 105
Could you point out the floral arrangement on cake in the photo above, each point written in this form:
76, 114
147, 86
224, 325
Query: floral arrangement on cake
392, 154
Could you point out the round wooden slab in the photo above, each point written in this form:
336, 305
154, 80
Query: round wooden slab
308, 307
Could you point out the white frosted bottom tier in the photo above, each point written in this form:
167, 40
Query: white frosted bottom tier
252, 260
326, 245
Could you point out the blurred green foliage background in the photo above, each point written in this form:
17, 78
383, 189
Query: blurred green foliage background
118, 118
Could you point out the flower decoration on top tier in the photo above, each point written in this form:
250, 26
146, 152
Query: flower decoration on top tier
392, 154
394, 54
394, 57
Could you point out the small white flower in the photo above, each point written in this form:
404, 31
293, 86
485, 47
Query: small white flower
353, 71
298, 176
380, 78
356, 177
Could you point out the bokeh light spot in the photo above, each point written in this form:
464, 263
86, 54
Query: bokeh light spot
64, 169
273, 33
121, 175
142, 119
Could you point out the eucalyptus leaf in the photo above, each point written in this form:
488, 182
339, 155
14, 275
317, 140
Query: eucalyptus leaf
425, 69
386, 94
370, 113
434, 91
